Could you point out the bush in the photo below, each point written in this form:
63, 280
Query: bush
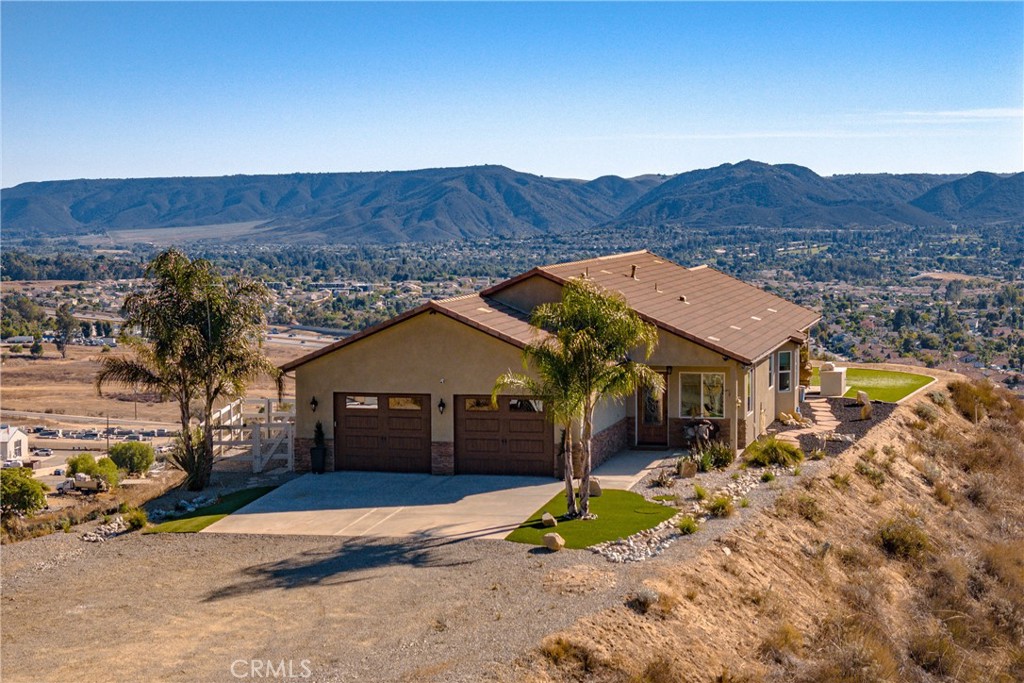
718, 455
768, 476
783, 642
687, 525
699, 492
16, 348
86, 464
801, 505
935, 653
664, 479
939, 398
644, 599
903, 539
928, 413
20, 492
721, 506
816, 454
134, 457
772, 451
705, 462
872, 474
136, 519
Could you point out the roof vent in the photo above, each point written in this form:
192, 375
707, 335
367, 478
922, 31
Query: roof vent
632, 272
682, 297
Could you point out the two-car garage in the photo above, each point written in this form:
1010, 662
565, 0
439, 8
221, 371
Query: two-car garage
392, 432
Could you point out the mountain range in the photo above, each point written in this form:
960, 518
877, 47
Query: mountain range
484, 201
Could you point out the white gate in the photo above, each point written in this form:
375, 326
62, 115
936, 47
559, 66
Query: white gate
255, 429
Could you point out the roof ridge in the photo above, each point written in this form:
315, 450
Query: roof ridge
606, 257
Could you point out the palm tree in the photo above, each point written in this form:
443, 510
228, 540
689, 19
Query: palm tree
204, 337
563, 400
586, 357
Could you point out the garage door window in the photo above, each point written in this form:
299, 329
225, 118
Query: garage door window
405, 403
480, 405
367, 402
526, 405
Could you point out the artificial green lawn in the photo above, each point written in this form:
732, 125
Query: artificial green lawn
205, 516
881, 385
619, 514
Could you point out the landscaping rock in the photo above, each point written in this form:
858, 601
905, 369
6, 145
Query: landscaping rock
688, 469
863, 398
595, 487
865, 411
553, 542
548, 519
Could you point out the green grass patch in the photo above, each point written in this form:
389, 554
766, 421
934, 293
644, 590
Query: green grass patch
205, 516
619, 514
881, 385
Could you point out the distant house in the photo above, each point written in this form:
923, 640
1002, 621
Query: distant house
13, 443
413, 393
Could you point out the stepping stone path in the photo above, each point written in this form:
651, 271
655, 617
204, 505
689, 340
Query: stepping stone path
821, 415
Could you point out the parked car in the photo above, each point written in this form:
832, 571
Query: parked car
44, 452
13, 463
58, 472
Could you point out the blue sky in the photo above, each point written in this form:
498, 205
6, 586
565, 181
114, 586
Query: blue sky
571, 90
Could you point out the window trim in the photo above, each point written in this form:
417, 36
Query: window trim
702, 415
751, 378
771, 370
788, 373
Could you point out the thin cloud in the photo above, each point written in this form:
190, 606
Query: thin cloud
953, 116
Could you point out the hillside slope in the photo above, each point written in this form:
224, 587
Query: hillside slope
427, 205
902, 561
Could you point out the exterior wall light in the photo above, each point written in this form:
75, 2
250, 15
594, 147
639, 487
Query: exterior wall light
441, 406
313, 403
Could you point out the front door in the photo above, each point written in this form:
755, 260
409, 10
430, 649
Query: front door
652, 416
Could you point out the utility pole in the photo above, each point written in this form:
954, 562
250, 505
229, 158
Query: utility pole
108, 433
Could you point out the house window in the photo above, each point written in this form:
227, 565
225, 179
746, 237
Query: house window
750, 390
525, 405
771, 371
785, 370
405, 403
480, 404
702, 394
363, 402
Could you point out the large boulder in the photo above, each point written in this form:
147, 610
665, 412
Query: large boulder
863, 398
865, 411
553, 542
595, 487
548, 519
828, 367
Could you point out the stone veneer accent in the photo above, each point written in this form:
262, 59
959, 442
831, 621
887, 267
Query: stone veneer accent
610, 441
303, 462
442, 457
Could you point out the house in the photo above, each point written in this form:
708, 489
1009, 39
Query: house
413, 393
13, 443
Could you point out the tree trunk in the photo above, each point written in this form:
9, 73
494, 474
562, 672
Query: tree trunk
588, 425
206, 463
570, 494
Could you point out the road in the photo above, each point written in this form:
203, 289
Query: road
85, 419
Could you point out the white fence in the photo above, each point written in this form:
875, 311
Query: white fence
255, 429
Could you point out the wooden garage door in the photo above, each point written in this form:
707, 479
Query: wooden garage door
382, 432
511, 438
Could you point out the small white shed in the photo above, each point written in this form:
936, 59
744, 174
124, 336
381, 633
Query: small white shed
13, 443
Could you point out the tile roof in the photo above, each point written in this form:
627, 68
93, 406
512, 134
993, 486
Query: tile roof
701, 304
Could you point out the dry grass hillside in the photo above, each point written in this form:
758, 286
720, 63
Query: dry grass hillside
904, 561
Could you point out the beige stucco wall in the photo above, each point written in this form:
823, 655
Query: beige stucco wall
786, 401
528, 293
427, 354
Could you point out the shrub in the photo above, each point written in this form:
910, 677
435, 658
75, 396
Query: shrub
840, 481
872, 474
84, 463
721, 506
699, 492
719, 454
939, 398
934, 652
772, 451
943, 494
981, 491
816, 454
744, 502
643, 600
901, 538
134, 457
661, 670
705, 463
785, 641
136, 519
107, 470
802, 505
768, 476
687, 525
977, 400
563, 652
16, 348
20, 492
664, 479
926, 412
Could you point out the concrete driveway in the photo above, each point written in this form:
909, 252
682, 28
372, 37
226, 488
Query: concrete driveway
387, 504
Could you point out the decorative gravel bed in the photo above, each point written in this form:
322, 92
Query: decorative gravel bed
847, 411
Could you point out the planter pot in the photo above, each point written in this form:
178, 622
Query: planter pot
318, 457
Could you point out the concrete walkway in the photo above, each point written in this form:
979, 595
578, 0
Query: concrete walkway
385, 504
821, 415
